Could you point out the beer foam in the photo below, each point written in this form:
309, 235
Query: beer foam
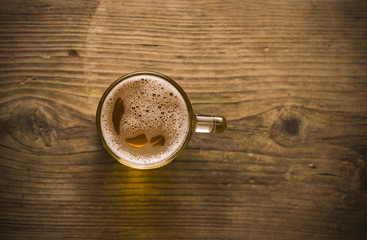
152, 106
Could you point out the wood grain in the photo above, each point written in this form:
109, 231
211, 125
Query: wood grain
289, 76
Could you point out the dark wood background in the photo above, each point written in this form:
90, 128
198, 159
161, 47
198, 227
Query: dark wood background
290, 76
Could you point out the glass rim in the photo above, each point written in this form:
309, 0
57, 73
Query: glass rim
177, 152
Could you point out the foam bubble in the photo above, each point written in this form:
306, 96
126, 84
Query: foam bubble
153, 107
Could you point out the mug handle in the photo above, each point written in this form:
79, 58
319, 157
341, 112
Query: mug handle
210, 124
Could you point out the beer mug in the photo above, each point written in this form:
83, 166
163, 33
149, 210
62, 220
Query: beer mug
145, 120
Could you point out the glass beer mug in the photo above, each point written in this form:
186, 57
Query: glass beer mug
145, 120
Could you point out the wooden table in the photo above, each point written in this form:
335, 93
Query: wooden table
290, 76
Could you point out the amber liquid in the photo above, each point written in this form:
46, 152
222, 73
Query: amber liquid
145, 120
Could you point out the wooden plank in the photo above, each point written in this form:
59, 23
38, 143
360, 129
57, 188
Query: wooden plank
289, 76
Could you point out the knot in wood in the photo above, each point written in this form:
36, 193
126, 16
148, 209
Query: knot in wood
31, 123
289, 128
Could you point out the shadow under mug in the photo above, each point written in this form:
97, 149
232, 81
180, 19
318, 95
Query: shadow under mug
198, 123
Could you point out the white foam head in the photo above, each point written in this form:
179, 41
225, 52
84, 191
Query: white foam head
153, 107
